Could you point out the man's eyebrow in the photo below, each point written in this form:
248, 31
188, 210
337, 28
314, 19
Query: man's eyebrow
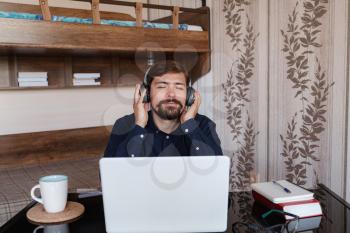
164, 82
161, 82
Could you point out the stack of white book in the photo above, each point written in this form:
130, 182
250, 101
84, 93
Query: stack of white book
86, 79
32, 79
288, 197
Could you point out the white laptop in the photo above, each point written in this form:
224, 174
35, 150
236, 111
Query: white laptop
165, 194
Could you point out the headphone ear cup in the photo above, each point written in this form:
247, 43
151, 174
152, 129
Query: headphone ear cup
190, 96
146, 98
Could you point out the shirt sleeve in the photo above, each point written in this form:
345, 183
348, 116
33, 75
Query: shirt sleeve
126, 142
204, 140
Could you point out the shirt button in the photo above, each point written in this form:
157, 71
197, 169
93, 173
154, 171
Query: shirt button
157, 131
197, 148
132, 155
186, 130
167, 137
141, 136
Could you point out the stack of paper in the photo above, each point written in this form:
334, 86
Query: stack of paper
86, 79
288, 197
32, 79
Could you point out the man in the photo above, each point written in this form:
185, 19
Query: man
169, 128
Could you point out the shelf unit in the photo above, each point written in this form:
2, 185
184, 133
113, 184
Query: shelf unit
118, 53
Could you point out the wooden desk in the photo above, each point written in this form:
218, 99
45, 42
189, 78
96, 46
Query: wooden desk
336, 217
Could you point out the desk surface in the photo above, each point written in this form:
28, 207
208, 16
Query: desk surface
336, 217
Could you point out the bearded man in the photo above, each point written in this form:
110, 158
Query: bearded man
172, 126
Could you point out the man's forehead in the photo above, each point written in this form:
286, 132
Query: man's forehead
171, 78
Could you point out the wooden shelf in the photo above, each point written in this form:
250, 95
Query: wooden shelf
114, 70
19, 35
62, 49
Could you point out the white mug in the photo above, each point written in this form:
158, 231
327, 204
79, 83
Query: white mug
61, 228
54, 190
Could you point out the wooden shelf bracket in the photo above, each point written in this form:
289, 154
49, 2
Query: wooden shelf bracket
176, 10
95, 8
44, 5
138, 11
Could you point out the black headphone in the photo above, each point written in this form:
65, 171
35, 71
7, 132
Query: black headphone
190, 97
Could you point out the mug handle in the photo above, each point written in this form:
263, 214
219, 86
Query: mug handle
40, 200
38, 228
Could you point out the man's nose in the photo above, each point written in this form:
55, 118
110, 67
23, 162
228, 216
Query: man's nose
171, 92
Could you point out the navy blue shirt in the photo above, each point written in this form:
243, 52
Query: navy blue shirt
194, 137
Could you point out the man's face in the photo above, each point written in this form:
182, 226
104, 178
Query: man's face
168, 95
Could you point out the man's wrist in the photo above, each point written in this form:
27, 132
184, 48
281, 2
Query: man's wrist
184, 120
141, 124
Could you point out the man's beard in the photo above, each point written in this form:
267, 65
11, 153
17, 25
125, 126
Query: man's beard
169, 113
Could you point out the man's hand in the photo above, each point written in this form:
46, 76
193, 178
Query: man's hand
140, 108
192, 111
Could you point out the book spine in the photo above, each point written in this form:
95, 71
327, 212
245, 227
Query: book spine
36, 79
33, 84
299, 202
86, 75
85, 81
264, 201
32, 74
87, 84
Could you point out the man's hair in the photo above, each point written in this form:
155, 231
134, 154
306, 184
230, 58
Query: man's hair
166, 67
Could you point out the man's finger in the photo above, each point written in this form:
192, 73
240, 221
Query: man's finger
137, 93
198, 98
143, 93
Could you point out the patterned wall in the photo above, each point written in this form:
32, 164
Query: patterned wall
306, 71
240, 96
280, 73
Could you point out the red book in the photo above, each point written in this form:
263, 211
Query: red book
303, 209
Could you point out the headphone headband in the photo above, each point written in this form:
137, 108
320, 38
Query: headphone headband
145, 81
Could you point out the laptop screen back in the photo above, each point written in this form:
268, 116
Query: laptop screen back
165, 194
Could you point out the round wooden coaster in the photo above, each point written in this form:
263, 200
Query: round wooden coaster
37, 214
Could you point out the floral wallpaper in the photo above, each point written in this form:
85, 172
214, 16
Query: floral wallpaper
300, 86
236, 89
